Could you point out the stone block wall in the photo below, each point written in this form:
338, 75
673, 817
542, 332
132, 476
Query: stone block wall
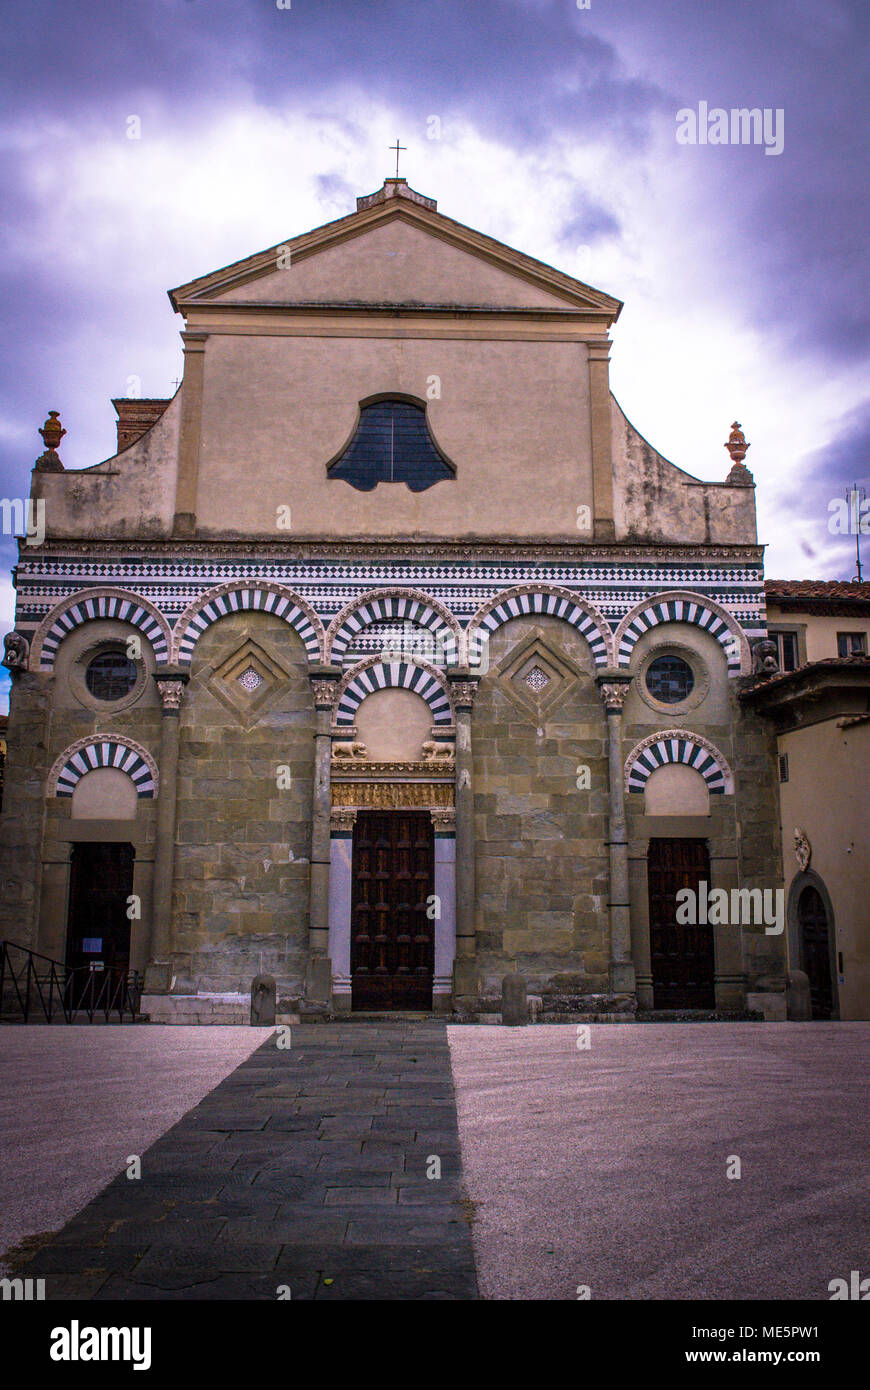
241, 887
27, 761
759, 841
541, 863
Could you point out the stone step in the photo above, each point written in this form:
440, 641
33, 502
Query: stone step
228, 1010
383, 1016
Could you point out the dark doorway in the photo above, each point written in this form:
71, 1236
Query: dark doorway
815, 949
98, 928
393, 941
682, 954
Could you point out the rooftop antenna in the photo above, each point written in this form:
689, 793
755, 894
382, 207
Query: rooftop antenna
855, 497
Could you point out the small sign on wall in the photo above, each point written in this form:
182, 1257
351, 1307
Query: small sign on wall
92, 945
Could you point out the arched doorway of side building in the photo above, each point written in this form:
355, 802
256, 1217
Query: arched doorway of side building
812, 941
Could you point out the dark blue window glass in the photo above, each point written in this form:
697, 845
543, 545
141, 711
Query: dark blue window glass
392, 445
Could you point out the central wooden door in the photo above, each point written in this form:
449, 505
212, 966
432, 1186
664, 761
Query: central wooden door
98, 928
682, 954
816, 951
393, 940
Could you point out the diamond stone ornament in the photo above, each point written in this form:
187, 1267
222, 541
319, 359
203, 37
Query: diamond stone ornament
250, 680
537, 679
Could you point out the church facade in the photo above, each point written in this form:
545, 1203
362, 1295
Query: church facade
388, 658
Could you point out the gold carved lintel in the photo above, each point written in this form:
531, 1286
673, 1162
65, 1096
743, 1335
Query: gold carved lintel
392, 796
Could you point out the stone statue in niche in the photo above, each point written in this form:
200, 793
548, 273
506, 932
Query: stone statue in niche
803, 850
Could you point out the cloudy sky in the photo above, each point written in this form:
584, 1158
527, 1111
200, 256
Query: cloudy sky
744, 274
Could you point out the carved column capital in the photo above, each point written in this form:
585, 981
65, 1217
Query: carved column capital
342, 819
170, 687
325, 681
443, 819
463, 687
324, 693
613, 687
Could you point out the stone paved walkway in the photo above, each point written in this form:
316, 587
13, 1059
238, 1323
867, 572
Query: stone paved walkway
306, 1168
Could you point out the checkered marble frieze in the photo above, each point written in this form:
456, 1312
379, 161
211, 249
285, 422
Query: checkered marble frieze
328, 586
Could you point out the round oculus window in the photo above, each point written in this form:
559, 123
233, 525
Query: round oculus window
670, 679
111, 675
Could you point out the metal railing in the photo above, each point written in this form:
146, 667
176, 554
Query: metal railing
35, 986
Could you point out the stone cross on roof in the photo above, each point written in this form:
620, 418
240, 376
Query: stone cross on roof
397, 147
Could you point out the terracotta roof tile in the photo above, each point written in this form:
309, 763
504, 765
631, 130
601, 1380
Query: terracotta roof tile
860, 663
815, 588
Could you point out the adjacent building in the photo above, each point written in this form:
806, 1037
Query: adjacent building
819, 706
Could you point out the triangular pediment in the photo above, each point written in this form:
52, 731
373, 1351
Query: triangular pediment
395, 250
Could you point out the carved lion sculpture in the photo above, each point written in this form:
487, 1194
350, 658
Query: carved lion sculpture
436, 752
765, 657
349, 750
17, 651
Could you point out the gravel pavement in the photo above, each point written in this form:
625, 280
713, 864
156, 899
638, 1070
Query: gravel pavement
76, 1101
607, 1167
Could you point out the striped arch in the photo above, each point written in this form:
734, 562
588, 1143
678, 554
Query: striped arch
678, 746
104, 750
247, 595
684, 607
549, 599
396, 605
91, 605
374, 674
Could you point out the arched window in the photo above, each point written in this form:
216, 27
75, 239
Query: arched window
392, 444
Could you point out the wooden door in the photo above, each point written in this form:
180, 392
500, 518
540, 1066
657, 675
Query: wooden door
815, 948
393, 940
98, 928
682, 954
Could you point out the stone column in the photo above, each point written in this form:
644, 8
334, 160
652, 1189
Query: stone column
342, 821
171, 681
318, 983
464, 687
613, 687
444, 821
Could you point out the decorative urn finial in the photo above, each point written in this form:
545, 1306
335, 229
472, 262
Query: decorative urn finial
52, 433
737, 448
737, 445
